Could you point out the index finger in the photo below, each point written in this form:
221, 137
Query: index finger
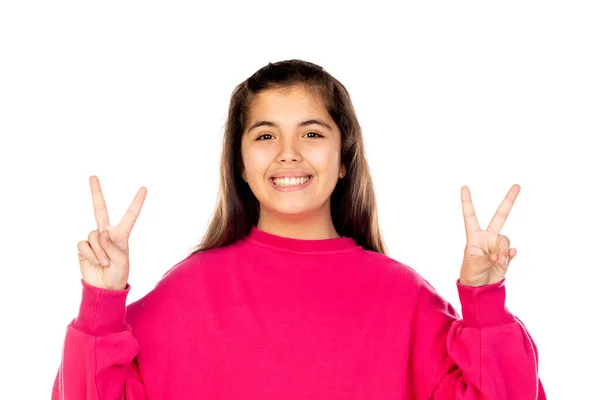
100, 211
471, 223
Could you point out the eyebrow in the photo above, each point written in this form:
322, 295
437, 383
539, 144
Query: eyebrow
303, 123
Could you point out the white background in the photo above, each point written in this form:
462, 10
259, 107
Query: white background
448, 94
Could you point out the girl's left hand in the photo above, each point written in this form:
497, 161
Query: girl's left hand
487, 253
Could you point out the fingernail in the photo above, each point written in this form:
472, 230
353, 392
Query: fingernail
105, 262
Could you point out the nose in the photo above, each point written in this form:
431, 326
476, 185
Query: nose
288, 151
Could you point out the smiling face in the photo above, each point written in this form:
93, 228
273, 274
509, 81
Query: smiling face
291, 154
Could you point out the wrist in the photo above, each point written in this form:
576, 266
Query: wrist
102, 311
485, 305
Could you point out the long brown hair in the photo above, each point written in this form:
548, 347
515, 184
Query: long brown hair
353, 205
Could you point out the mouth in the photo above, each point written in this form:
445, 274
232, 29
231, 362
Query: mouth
293, 183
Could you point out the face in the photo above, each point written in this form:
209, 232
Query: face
291, 152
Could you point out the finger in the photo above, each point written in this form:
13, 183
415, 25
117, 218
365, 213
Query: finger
503, 210
100, 211
512, 253
471, 223
128, 220
94, 241
116, 255
492, 258
503, 246
85, 252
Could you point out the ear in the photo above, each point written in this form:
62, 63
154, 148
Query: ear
244, 175
342, 171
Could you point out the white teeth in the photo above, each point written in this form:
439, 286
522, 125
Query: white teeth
290, 181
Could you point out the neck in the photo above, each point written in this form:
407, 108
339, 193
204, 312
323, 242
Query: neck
310, 225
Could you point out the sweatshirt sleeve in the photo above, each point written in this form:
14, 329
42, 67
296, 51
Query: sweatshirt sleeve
488, 354
98, 358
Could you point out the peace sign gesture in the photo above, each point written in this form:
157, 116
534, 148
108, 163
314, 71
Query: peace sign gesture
104, 257
487, 253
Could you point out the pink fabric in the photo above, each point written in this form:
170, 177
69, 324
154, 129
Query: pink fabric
270, 317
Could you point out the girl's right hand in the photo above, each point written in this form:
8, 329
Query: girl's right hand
108, 243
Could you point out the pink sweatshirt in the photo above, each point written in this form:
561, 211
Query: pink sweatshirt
270, 317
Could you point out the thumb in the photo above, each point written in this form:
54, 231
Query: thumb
113, 252
105, 240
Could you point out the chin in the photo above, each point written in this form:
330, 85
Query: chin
290, 208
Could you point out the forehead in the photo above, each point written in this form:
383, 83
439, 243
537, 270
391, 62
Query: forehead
284, 102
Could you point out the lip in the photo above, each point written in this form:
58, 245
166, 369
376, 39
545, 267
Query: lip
290, 188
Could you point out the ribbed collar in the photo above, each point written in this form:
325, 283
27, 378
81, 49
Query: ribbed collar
262, 238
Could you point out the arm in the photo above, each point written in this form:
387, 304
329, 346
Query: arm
98, 360
489, 353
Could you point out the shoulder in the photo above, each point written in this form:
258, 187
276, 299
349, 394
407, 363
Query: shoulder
404, 277
393, 268
188, 277
411, 287
202, 262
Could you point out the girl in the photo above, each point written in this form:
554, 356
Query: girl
290, 294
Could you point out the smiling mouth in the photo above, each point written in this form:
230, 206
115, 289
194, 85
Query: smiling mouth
291, 182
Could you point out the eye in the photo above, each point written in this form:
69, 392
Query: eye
315, 133
263, 135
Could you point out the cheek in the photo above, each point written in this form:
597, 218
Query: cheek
256, 164
325, 161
